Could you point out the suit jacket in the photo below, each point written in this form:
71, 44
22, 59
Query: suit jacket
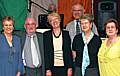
49, 49
72, 31
39, 35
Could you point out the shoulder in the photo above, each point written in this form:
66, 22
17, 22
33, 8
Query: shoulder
97, 39
39, 33
70, 24
47, 33
96, 36
119, 38
64, 30
16, 38
19, 33
78, 36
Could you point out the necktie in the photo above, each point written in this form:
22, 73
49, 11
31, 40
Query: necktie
77, 27
34, 53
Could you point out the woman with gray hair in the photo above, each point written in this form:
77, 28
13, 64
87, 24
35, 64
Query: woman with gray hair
85, 48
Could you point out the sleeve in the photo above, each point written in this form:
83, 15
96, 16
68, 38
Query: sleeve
46, 51
94, 29
20, 63
99, 42
70, 58
74, 43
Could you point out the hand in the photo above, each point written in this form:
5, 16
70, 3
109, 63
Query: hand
48, 73
18, 74
69, 72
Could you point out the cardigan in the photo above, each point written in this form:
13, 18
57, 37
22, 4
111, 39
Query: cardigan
93, 48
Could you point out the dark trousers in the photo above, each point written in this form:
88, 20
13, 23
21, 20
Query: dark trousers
59, 71
88, 72
92, 72
33, 71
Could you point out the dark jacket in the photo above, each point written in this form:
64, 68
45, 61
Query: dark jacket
22, 36
49, 49
93, 48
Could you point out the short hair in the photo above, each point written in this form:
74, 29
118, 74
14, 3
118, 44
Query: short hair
78, 4
87, 16
110, 21
55, 15
7, 18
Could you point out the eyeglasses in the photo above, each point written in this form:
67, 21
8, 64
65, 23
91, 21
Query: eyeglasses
30, 24
8, 25
78, 10
85, 23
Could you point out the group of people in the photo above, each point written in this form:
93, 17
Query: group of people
74, 51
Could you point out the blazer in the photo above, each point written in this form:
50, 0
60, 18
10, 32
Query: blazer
22, 35
49, 49
72, 31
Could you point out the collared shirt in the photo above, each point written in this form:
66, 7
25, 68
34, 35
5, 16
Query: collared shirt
75, 22
26, 55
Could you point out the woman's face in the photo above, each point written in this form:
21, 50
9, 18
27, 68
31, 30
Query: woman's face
111, 29
8, 27
86, 25
55, 22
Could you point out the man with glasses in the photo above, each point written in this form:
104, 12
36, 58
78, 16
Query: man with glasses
32, 49
74, 26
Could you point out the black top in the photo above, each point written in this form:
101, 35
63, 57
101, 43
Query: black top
49, 49
93, 48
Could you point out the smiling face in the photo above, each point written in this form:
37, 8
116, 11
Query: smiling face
8, 26
111, 29
54, 20
30, 25
77, 11
86, 25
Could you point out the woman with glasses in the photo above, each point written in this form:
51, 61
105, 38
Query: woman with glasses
109, 53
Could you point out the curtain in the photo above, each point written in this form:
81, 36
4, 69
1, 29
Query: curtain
64, 7
15, 8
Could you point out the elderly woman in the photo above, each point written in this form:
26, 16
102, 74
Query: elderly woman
109, 53
57, 47
10, 50
85, 49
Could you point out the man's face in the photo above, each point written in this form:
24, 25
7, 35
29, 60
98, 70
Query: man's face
77, 11
30, 26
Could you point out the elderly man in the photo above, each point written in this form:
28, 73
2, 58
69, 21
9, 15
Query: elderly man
32, 49
74, 26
